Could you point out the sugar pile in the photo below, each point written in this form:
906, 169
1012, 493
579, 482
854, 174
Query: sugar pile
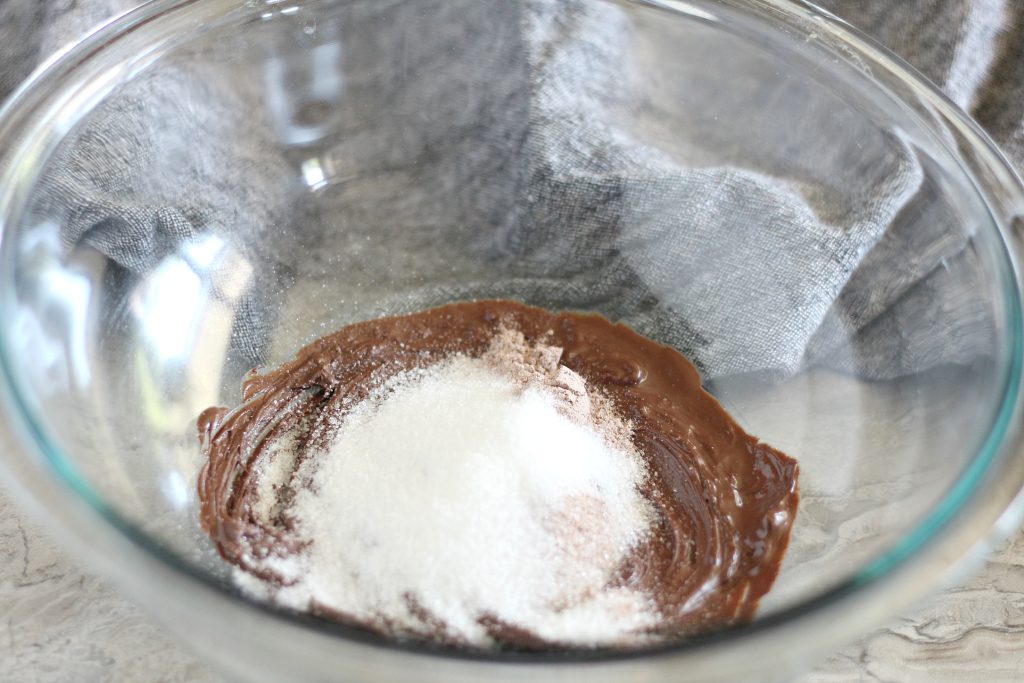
492, 490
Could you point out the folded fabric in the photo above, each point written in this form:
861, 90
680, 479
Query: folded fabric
518, 137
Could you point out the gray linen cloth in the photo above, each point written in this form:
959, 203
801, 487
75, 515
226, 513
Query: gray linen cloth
559, 152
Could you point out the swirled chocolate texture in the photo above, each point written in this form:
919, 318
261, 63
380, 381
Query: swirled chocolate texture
724, 501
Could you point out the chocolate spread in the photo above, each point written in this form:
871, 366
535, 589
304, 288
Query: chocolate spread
724, 502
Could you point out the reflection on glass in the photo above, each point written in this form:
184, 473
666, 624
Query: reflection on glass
302, 88
168, 306
185, 310
56, 340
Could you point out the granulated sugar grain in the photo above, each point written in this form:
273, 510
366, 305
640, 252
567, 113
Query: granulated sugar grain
467, 491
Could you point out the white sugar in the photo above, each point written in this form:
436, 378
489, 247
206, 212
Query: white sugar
458, 494
274, 469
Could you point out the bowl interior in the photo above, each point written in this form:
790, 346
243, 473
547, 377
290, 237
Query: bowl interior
210, 200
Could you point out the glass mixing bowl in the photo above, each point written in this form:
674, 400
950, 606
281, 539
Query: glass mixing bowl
202, 186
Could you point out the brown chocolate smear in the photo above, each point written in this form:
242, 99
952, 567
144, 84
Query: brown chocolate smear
724, 502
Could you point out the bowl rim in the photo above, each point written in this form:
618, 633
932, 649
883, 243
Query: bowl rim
913, 566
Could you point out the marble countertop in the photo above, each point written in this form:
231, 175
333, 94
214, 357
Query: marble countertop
61, 624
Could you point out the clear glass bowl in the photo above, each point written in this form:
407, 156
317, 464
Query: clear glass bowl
204, 185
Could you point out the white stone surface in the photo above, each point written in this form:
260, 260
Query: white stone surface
59, 624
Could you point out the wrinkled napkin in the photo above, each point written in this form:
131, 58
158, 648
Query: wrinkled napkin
745, 266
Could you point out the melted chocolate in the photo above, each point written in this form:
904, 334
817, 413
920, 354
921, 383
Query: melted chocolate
725, 502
